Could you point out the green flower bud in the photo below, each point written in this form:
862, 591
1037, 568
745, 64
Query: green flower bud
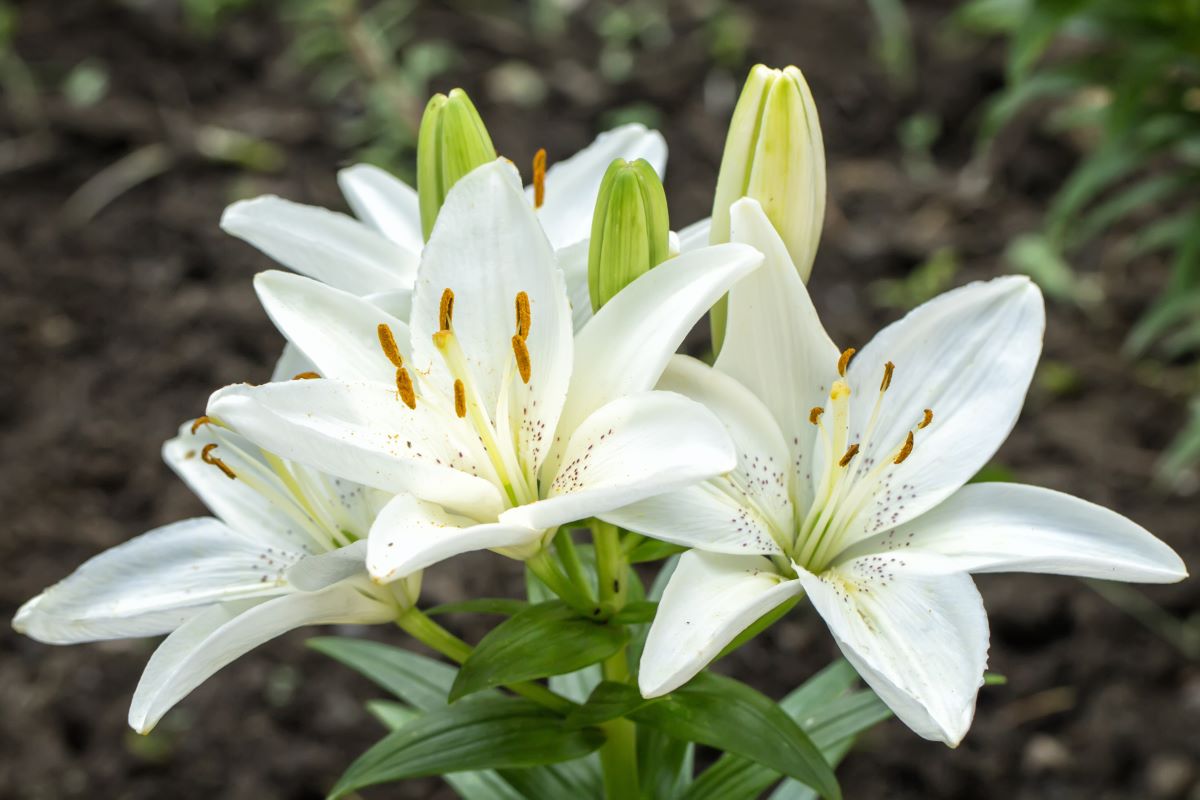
774, 153
630, 229
452, 142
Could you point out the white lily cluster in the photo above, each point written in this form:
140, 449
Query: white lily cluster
459, 394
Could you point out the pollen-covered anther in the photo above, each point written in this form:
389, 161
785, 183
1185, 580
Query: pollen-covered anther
305, 376
460, 399
201, 421
404, 387
387, 342
208, 458
524, 317
539, 177
814, 416
905, 450
850, 453
521, 353
844, 360
928, 418
446, 310
888, 369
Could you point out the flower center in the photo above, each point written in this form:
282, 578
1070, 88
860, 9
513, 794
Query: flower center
856, 471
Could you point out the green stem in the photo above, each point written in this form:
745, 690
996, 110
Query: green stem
564, 545
548, 572
611, 565
425, 630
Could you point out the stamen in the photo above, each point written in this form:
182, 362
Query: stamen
460, 399
200, 421
524, 318
814, 416
844, 360
446, 310
208, 458
539, 177
923, 424
522, 355
906, 450
851, 452
404, 386
388, 342
305, 376
888, 369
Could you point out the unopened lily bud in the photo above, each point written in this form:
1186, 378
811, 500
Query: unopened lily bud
630, 229
774, 153
452, 141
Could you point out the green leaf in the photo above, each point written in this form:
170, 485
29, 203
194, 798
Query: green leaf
731, 716
609, 700
636, 613
419, 681
392, 715
543, 640
653, 550
476, 734
759, 625
665, 765
483, 605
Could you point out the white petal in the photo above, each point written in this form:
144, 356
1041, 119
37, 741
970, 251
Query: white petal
411, 534
487, 247
774, 342
364, 433
153, 583
322, 570
573, 184
732, 513
915, 631
386, 203
291, 363
331, 247
633, 448
573, 261
968, 355
397, 302
1005, 527
709, 600
627, 344
695, 236
221, 634
339, 331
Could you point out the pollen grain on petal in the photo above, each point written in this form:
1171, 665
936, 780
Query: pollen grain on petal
888, 369
814, 416
850, 453
387, 341
521, 352
446, 310
404, 387
202, 420
905, 450
460, 399
539, 177
844, 360
928, 418
305, 376
208, 458
524, 317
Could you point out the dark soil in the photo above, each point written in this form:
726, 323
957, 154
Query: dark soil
116, 331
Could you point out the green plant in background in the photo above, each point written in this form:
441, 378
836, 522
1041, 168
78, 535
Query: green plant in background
1126, 80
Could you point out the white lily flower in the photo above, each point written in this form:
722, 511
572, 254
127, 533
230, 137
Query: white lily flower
851, 488
286, 549
486, 417
380, 250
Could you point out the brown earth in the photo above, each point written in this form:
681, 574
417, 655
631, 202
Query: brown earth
116, 331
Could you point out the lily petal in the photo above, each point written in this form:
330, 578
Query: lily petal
411, 534
338, 330
695, 236
774, 343
914, 629
968, 355
153, 583
573, 183
322, 244
1005, 527
322, 570
627, 344
209, 641
630, 449
364, 433
386, 203
573, 261
709, 600
291, 363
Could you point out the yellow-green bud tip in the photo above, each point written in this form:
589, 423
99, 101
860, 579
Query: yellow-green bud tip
630, 229
452, 141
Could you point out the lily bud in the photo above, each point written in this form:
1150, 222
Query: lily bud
452, 141
630, 229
